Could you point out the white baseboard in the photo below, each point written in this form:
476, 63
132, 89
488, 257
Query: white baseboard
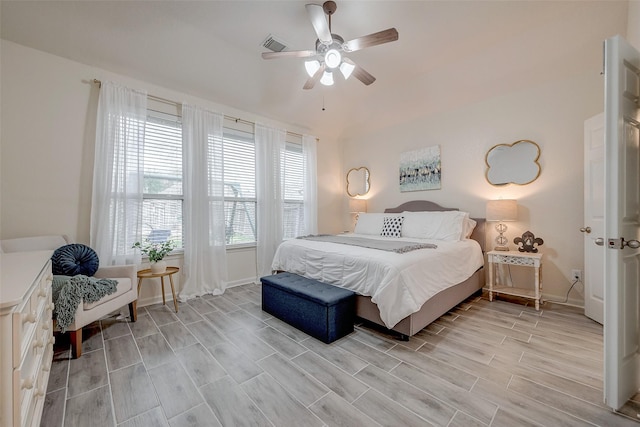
241, 282
157, 299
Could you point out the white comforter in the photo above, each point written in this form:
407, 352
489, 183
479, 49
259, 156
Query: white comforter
398, 283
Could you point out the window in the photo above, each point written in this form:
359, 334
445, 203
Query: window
162, 185
239, 186
293, 190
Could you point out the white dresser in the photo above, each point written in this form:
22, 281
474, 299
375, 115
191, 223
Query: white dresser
26, 334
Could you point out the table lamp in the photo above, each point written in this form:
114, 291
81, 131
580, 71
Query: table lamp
357, 206
502, 210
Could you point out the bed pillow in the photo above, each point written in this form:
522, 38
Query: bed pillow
392, 226
445, 225
371, 223
469, 226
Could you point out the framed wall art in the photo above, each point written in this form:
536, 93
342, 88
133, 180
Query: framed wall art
420, 169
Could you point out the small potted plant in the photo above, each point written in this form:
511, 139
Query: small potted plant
156, 251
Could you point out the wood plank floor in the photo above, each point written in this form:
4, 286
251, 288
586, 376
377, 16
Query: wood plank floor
223, 361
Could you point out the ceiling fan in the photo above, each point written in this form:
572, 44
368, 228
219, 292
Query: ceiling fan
329, 54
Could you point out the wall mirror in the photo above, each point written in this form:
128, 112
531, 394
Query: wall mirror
515, 163
358, 181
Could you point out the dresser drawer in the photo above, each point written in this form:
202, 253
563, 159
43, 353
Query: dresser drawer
30, 378
27, 331
31, 315
36, 405
42, 293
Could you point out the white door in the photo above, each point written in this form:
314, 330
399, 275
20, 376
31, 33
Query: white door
593, 227
622, 201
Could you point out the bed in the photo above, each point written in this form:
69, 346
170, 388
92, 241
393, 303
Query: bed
402, 292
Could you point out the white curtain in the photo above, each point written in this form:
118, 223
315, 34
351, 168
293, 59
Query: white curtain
116, 204
310, 171
205, 256
270, 146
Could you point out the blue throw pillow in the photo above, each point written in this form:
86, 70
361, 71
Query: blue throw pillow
74, 259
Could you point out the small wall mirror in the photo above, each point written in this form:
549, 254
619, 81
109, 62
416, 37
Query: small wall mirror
515, 163
358, 181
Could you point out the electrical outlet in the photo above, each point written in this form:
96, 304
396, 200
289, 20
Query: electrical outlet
576, 275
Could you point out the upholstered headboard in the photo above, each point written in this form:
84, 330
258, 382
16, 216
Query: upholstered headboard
424, 205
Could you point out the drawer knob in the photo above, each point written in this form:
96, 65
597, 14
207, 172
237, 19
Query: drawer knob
29, 317
51, 306
52, 339
28, 383
39, 392
39, 343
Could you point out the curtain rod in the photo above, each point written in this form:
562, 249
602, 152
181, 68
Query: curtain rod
175, 103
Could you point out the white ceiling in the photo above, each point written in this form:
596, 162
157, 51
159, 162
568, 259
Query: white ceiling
449, 53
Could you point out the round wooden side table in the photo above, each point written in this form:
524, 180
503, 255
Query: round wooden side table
170, 271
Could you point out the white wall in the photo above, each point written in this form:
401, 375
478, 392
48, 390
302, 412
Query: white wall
633, 26
48, 132
551, 114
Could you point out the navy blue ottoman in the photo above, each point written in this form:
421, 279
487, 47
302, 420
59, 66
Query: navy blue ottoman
323, 311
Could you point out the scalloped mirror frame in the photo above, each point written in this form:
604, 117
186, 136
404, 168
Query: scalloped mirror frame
515, 163
358, 183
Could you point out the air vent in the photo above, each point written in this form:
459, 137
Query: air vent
274, 44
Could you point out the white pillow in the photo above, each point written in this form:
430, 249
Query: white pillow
445, 225
469, 226
371, 223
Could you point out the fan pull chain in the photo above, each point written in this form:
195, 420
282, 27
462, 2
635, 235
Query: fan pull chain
323, 103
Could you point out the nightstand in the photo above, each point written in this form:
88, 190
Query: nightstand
524, 259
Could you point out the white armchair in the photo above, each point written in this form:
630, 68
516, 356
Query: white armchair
126, 292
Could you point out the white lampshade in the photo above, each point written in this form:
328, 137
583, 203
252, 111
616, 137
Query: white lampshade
327, 78
357, 205
502, 210
332, 58
312, 67
346, 69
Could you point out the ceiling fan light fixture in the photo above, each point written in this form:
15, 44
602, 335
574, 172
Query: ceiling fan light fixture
346, 69
312, 67
327, 78
332, 58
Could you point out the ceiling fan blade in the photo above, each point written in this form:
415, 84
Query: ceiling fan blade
360, 73
288, 54
311, 81
384, 36
319, 22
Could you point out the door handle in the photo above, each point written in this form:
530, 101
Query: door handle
585, 229
621, 243
599, 241
633, 244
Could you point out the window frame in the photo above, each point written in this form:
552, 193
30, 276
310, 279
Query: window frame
177, 120
246, 132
